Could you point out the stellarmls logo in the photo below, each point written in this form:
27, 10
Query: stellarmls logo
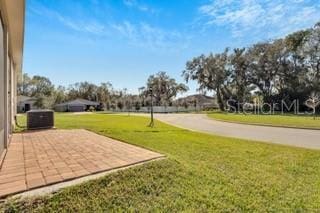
233, 106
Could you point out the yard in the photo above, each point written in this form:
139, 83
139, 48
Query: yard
285, 120
201, 173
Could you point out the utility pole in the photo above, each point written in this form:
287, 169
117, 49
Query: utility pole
151, 124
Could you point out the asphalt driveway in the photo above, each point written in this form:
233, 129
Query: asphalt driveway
287, 136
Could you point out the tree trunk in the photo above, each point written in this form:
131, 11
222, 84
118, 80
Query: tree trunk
219, 99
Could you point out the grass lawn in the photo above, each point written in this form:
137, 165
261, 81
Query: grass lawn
299, 121
202, 173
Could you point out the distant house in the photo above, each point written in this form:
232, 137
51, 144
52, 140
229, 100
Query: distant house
77, 105
202, 101
25, 103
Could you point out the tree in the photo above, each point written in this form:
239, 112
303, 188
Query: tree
211, 72
313, 102
120, 105
310, 51
137, 105
262, 74
38, 87
280, 70
289, 79
83, 90
41, 86
239, 65
24, 84
35, 87
143, 93
60, 95
293, 43
164, 88
103, 94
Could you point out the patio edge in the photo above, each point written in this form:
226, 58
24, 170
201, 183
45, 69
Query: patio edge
51, 188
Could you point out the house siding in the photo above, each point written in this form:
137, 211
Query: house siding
3, 115
11, 43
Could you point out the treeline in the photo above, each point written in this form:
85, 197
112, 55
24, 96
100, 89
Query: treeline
285, 69
164, 90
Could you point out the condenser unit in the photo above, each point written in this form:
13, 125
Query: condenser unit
40, 119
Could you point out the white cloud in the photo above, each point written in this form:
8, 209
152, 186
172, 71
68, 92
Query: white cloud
129, 3
153, 38
84, 25
137, 5
91, 27
136, 34
271, 18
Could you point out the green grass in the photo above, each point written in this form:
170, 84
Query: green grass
202, 173
285, 120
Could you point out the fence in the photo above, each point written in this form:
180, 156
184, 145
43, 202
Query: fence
162, 109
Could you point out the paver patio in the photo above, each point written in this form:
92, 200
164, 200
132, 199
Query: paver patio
40, 158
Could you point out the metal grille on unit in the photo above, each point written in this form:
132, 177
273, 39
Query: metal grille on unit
40, 119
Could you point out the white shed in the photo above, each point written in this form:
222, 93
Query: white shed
25, 103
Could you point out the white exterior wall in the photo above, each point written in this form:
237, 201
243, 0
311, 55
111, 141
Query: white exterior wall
21, 106
11, 45
13, 94
3, 115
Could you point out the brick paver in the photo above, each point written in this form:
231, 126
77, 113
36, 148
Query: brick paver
39, 158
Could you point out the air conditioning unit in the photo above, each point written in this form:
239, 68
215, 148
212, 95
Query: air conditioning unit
40, 119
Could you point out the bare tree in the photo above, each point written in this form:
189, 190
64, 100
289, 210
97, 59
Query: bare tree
312, 102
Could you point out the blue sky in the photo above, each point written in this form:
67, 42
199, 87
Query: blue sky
124, 41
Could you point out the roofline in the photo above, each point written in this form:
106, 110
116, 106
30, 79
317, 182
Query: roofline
13, 16
69, 103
